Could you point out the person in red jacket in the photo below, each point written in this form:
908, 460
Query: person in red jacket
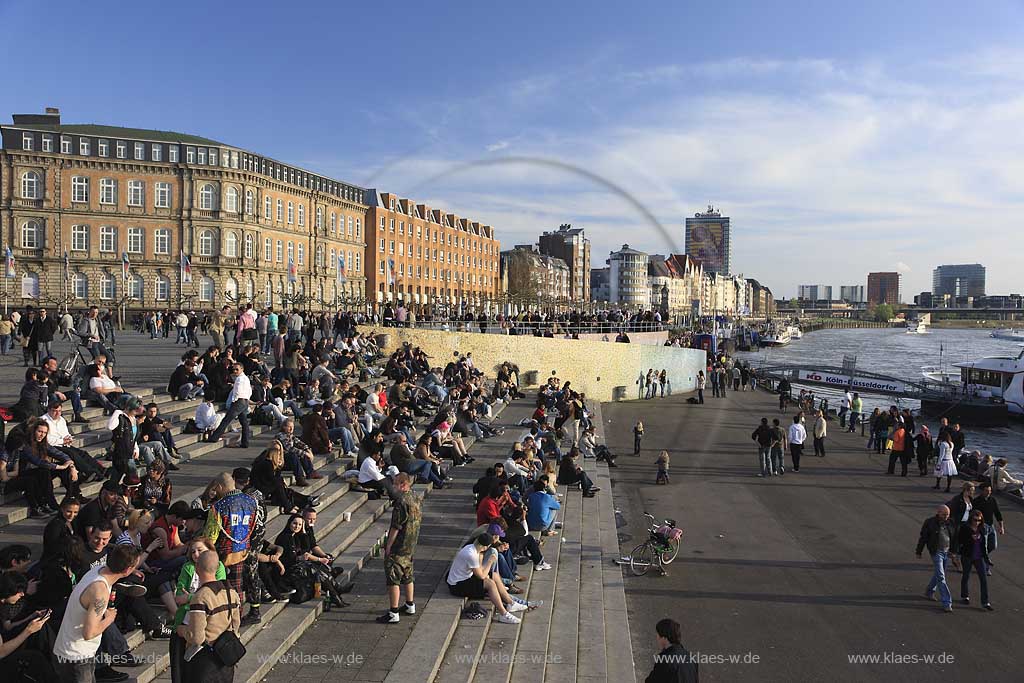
493, 503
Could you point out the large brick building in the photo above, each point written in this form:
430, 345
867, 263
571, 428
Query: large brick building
424, 256
77, 199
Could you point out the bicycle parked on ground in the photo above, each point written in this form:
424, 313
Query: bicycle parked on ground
660, 548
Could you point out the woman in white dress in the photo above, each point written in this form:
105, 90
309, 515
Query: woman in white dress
945, 466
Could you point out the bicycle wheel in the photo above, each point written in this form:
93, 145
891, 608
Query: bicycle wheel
641, 558
673, 549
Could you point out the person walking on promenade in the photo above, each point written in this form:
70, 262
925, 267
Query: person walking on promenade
673, 663
702, 384
844, 408
958, 438
856, 411
737, 377
713, 378
899, 443
973, 548
925, 449
784, 394
778, 448
960, 508
638, 434
796, 437
989, 507
398, 552
937, 534
945, 466
723, 380
662, 381
820, 432
763, 436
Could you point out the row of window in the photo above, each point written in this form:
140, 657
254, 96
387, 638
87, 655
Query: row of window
429, 273
203, 156
434, 235
434, 255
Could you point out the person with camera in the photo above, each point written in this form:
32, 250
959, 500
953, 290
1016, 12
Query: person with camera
213, 614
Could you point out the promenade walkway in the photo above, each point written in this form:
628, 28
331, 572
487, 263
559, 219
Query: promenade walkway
805, 570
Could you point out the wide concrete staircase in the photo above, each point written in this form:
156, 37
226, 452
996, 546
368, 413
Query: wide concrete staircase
579, 633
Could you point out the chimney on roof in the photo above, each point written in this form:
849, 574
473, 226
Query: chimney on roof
53, 110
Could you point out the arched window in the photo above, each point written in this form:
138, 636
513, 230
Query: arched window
231, 244
207, 197
79, 286
108, 286
319, 218
250, 247
319, 256
291, 213
250, 203
31, 235
266, 207
206, 289
250, 289
135, 287
268, 294
302, 214
206, 243
231, 200
31, 186
231, 289
30, 286
163, 288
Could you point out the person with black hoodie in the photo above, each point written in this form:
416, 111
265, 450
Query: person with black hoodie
673, 663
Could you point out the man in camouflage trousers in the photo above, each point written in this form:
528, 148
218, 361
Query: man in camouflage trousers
402, 537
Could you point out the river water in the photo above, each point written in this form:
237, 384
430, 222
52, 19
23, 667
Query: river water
898, 354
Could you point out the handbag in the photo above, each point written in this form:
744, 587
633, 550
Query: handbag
228, 648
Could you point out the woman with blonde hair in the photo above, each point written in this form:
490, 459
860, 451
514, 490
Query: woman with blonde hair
266, 477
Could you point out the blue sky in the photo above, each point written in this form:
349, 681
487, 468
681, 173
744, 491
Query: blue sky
840, 138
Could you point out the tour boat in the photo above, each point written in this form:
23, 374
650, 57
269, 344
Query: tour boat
795, 332
1010, 334
775, 336
937, 375
919, 328
999, 379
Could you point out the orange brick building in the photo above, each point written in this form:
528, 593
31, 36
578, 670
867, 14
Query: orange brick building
425, 257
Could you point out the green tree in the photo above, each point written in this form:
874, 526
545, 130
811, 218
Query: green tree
883, 312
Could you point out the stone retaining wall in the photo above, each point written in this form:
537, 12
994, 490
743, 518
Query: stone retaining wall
594, 367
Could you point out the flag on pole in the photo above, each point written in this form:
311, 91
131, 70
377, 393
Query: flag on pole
186, 268
342, 274
292, 273
9, 263
391, 271
67, 266
125, 266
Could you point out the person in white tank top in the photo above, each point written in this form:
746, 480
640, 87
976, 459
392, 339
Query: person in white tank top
88, 615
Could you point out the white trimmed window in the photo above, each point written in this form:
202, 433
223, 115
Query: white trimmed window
280, 251
268, 250
250, 203
65, 144
381, 223
103, 148
213, 157
291, 252
31, 235
382, 245
250, 247
79, 189
108, 238
79, 286
162, 291
302, 253
201, 152
140, 151
291, 213
190, 155
47, 143
231, 200
250, 288
134, 287
79, 238
231, 284
158, 153
30, 286
83, 146
108, 191
207, 197
319, 218
108, 286
334, 223
359, 229
122, 149
280, 211
231, 244
206, 243
27, 141
136, 193
206, 289
348, 232
162, 196
266, 208
162, 241
357, 259
172, 156
135, 241
302, 214
30, 185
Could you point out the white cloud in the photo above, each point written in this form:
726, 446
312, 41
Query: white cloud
902, 267
497, 146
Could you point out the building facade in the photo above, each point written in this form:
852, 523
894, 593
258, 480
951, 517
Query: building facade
853, 294
423, 256
677, 276
815, 292
104, 215
965, 279
883, 288
600, 284
572, 246
708, 239
528, 275
628, 283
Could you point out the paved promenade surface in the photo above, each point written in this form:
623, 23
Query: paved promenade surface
803, 570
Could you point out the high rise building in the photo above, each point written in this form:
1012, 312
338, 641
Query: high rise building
815, 292
853, 294
708, 240
572, 246
883, 288
966, 279
628, 283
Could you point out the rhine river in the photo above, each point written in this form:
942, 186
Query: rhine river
896, 353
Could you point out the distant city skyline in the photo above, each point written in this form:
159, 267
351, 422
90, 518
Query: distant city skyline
885, 139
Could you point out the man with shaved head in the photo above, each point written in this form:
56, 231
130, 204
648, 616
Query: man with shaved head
936, 533
213, 610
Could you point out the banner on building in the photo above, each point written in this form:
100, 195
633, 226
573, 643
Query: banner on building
9, 263
186, 268
342, 273
125, 266
292, 273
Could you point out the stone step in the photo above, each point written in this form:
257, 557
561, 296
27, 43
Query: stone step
563, 637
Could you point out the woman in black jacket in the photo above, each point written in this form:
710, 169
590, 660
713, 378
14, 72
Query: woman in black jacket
925, 449
959, 512
973, 546
32, 402
266, 476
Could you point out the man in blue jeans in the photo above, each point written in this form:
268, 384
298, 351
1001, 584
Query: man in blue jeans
936, 533
238, 406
